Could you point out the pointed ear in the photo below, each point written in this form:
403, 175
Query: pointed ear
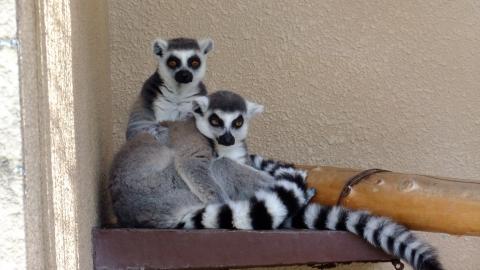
253, 109
206, 45
160, 46
200, 105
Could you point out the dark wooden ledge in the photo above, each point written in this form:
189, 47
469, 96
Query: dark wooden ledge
181, 249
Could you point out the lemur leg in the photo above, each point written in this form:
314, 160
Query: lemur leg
154, 211
140, 120
238, 180
193, 157
192, 163
268, 208
196, 174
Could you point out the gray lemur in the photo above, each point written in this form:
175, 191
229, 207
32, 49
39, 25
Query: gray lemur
183, 185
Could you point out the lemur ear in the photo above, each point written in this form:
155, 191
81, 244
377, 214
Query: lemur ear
253, 109
206, 45
159, 47
200, 105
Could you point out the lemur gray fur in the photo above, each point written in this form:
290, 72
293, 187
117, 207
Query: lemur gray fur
169, 179
168, 93
183, 185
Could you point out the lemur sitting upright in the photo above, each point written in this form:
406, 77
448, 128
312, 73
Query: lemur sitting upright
168, 93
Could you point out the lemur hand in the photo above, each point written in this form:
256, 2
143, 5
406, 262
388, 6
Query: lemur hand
158, 131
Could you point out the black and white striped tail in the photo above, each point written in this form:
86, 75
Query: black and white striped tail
378, 231
267, 209
269, 166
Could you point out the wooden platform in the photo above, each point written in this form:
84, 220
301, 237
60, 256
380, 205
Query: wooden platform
220, 249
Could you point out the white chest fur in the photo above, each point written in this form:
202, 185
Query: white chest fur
172, 106
236, 152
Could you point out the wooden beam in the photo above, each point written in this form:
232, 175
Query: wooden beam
210, 249
420, 202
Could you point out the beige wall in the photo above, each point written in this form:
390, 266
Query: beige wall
391, 84
93, 110
67, 127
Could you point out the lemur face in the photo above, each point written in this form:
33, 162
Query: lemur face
182, 61
224, 117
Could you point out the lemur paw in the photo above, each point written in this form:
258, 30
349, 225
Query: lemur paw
156, 130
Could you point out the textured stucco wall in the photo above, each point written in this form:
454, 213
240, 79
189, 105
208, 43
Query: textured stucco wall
12, 235
67, 126
391, 84
93, 109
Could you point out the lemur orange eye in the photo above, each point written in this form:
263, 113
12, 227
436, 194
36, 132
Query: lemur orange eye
215, 121
238, 123
194, 62
172, 64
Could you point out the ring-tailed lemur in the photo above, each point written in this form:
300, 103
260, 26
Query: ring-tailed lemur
381, 232
168, 93
165, 95
183, 185
154, 180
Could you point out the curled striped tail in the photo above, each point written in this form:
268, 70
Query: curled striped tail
267, 209
381, 232
269, 166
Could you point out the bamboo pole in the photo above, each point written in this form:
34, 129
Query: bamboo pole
419, 202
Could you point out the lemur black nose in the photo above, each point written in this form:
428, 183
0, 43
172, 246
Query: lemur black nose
183, 76
226, 139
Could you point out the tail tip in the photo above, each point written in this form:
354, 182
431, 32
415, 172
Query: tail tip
431, 264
